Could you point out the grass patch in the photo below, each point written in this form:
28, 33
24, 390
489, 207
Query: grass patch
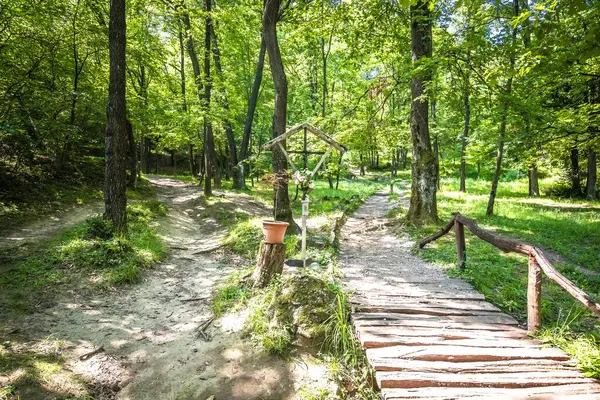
87, 255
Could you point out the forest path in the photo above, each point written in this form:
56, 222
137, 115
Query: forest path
429, 336
150, 332
17, 238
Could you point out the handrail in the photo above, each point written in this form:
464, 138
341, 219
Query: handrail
538, 263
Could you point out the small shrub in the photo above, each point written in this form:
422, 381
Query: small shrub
98, 228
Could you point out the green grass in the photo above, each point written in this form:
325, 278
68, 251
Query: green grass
323, 200
245, 234
87, 255
568, 227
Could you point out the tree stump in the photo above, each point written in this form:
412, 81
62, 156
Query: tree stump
270, 262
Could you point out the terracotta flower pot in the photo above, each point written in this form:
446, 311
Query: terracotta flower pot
274, 231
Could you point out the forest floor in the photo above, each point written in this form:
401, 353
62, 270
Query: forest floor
156, 339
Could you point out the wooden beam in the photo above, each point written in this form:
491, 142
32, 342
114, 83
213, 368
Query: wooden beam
534, 296
565, 283
438, 235
287, 156
286, 135
461, 247
322, 160
326, 138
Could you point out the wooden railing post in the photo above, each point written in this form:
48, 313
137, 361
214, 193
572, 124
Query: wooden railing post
461, 247
534, 296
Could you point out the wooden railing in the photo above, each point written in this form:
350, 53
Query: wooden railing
538, 263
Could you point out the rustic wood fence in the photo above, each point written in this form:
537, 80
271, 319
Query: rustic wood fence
538, 263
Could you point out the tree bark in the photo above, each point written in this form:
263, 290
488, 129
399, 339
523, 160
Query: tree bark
132, 156
575, 176
591, 188
534, 187
503, 118
252, 102
464, 138
270, 263
423, 205
115, 199
210, 158
283, 211
238, 182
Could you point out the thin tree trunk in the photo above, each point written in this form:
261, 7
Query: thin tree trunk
591, 185
252, 102
203, 91
132, 156
575, 174
283, 211
115, 199
534, 186
238, 182
192, 161
496, 179
465, 135
423, 204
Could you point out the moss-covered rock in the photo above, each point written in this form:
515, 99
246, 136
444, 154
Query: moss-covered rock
298, 305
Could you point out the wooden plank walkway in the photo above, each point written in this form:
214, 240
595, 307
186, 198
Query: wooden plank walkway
429, 336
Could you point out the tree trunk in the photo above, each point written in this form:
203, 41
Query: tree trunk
436, 143
238, 182
251, 109
423, 205
270, 263
283, 211
534, 186
210, 164
203, 90
503, 117
115, 199
132, 156
575, 176
591, 188
465, 135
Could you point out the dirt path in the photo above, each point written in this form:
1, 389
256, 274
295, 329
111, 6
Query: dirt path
48, 226
430, 336
149, 333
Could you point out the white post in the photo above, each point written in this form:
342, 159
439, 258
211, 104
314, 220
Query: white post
304, 217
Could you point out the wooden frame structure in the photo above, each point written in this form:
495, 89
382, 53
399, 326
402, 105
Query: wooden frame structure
538, 263
305, 127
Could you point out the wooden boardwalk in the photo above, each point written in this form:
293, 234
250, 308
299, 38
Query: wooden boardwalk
429, 336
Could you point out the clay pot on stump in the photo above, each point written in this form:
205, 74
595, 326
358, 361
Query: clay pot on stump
274, 231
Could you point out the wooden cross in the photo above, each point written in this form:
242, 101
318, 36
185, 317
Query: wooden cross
306, 127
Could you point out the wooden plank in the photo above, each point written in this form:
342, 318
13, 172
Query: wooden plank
493, 380
470, 305
418, 293
383, 316
376, 341
555, 393
448, 333
420, 309
465, 354
399, 364
441, 283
